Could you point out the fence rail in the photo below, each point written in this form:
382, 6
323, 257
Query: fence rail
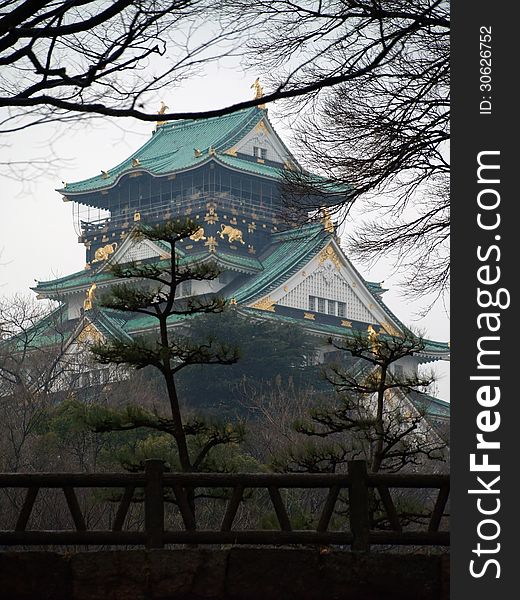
361, 486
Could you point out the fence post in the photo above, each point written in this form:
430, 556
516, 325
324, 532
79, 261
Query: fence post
359, 505
154, 503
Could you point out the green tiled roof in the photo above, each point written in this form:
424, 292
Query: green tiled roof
237, 261
250, 166
429, 345
430, 405
83, 279
284, 257
53, 330
80, 279
172, 148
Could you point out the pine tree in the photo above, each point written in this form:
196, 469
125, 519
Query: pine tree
371, 416
152, 290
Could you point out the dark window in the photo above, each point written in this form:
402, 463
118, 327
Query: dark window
259, 152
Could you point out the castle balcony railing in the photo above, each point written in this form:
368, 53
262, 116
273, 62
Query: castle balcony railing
168, 500
198, 204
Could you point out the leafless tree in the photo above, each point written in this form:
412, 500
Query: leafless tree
28, 372
379, 131
91, 56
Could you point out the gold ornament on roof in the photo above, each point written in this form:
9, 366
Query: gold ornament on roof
265, 304
211, 244
390, 329
163, 108
137, 216
105, 174
328, 225
259, 91
211, 216
88, 302
234, 235
135, 162
198, 235
104, 252
197, 152
261, 126
329, 253
373, 336
89, 332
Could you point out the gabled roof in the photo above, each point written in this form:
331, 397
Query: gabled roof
172, 148
100, 273
330, 326
53, 330
288, 251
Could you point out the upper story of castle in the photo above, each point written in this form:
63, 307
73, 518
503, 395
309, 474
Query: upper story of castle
223, 172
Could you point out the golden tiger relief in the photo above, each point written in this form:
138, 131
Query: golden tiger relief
234, 235
104, 252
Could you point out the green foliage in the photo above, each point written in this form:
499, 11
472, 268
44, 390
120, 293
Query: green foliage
269, 353
369, 415
313, 457
184, 444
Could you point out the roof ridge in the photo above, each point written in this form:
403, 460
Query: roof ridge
297, 232
187, 122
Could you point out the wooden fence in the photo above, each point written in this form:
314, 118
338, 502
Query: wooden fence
155, 481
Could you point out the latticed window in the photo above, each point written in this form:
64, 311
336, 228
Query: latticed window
348, 303
330, 307
259, 152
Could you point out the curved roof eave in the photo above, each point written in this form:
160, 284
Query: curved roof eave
173, 142
205, 160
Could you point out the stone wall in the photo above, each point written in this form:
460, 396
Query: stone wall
234, 574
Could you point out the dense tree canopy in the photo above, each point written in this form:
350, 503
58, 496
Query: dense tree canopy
269, 354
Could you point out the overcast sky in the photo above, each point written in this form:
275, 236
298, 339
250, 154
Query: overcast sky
37, 236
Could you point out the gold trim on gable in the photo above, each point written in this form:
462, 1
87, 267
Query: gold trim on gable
261, 126
89, 333
329, 253
390, 329
265, 304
